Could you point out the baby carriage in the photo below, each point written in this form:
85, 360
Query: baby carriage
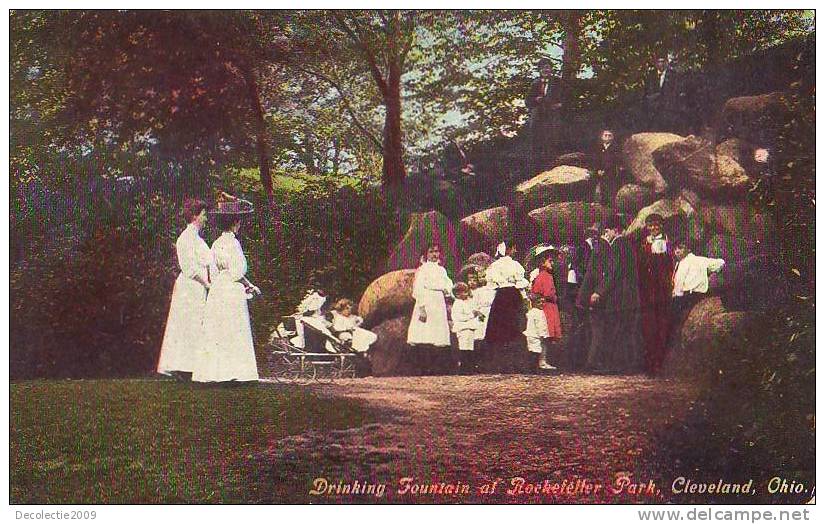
303, 349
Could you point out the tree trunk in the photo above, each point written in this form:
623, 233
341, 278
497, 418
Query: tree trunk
261, 144
394, 173
570, 62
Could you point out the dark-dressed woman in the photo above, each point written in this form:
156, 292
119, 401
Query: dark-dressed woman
507, 319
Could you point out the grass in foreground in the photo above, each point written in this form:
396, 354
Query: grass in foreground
152, 441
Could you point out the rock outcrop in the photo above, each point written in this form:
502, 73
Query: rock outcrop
694, 163
387, 296
560, 184
432, 228
565, 222
389, 355
709, 325
638, 151
491, 224
632, 197
756, 119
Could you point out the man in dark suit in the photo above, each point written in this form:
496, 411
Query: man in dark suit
606, 165
544, 102
661, 95
610, 291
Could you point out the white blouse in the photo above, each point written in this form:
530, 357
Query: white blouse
229, 256
194, 256
431, 277
691, 275
506, 272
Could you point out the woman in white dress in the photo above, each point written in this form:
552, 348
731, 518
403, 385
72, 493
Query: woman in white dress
428, 325
227, 351
181, 340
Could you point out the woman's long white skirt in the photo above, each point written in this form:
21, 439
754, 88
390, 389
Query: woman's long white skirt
227, 352
435, 331
182, 338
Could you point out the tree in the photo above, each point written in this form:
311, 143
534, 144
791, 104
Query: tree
187, 81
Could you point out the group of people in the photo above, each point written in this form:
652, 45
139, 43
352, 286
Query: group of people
623, 293
208, 335
636, 291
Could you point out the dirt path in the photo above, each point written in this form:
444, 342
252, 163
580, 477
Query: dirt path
565, 433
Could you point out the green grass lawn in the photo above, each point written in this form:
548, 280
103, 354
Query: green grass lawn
152, 441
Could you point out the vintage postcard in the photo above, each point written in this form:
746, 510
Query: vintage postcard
413, 257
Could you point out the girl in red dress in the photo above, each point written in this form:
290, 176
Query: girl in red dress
543, 285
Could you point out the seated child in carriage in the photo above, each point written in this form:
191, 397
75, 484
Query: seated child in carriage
347, 327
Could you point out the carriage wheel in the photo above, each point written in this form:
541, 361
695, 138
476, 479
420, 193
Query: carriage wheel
293, 369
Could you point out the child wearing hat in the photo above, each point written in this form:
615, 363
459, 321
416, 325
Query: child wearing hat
544, 286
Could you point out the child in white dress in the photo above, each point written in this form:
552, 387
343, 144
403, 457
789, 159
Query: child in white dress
537, 333
466, 322
482, 295
346, 327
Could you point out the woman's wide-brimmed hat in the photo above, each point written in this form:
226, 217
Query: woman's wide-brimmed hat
238, 206
541, 249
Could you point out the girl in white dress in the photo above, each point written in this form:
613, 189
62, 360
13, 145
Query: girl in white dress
347, 326
466, 322
429, 328
181, 340
227, 350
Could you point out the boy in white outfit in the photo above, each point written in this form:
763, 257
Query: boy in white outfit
690, 279
537, 333
466, 322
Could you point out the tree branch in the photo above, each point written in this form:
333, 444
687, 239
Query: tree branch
347, 106
368, 54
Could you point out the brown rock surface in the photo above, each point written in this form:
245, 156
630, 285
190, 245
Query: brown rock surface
387, 296
638, 150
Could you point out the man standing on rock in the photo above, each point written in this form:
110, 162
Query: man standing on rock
660, 95
544, 102
611, 294
606, 165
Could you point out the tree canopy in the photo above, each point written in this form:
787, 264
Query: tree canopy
327, 93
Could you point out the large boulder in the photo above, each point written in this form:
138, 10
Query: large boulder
491, 224
432, 228
734, 249
735, 148
711, 326
738, 220
390, 355
638, 150
694, 162
571, 159
560, 184
632, 197
754, 283
387, 296
756, 119
681, 221
566, 222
